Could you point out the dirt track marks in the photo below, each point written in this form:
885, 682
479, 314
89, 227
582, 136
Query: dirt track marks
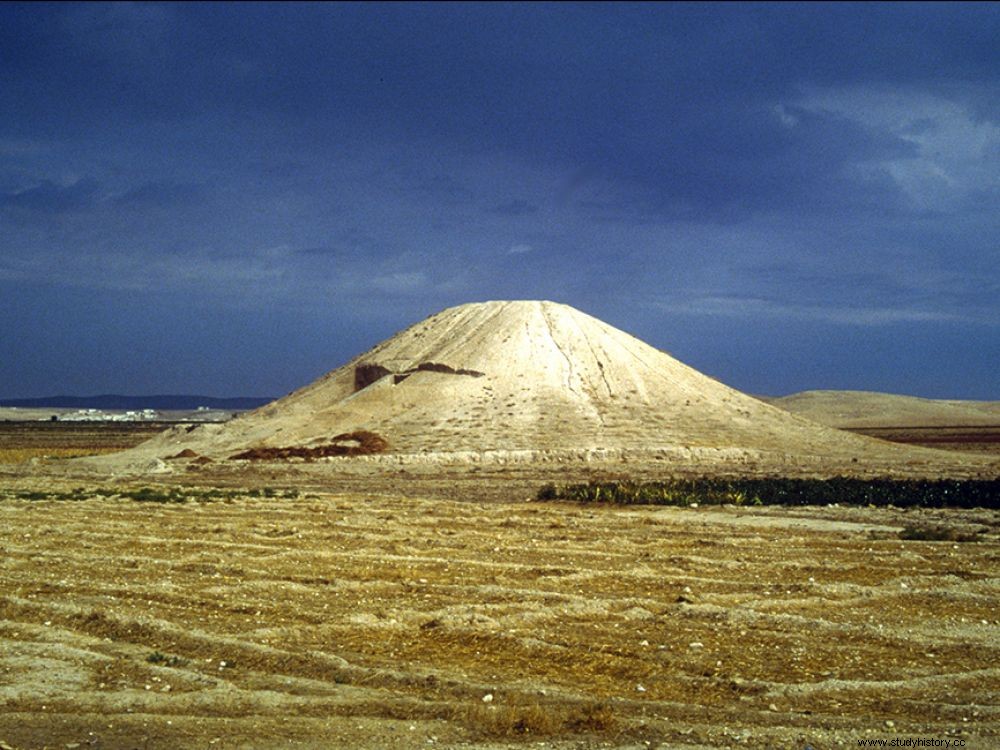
311, 618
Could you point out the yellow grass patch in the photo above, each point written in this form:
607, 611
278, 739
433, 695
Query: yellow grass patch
22, 455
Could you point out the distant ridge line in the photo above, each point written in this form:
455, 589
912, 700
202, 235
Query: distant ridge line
116, 401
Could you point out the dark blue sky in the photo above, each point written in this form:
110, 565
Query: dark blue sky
233, 199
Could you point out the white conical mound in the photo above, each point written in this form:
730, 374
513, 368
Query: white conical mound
515, 377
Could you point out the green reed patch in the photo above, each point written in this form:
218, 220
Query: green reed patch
159, 494
902, 493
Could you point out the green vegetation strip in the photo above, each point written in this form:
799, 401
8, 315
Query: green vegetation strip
901, 493
156, 494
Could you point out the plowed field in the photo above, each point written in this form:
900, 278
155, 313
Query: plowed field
380, 621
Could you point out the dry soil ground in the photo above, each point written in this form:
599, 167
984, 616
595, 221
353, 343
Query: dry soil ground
376, 621
357, 619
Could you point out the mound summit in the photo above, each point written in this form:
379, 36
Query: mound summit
526, 379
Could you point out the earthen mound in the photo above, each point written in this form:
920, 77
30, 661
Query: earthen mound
523, 382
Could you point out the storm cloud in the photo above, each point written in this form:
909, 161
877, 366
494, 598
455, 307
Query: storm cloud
738, 184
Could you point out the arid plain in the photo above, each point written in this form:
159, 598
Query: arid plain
417, 596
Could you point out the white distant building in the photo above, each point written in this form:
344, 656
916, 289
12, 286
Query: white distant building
97, 415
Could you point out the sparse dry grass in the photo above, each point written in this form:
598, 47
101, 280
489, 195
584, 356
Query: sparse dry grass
936, 533
490, 720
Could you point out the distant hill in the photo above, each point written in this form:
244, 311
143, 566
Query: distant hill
114, 401
859, 409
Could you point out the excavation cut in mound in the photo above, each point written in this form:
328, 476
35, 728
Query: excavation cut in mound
517, 381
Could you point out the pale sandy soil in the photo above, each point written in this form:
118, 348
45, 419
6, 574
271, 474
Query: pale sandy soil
370, 621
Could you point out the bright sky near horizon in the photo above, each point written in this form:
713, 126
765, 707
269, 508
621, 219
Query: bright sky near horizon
231, 199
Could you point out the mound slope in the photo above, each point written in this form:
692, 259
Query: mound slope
536, 380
